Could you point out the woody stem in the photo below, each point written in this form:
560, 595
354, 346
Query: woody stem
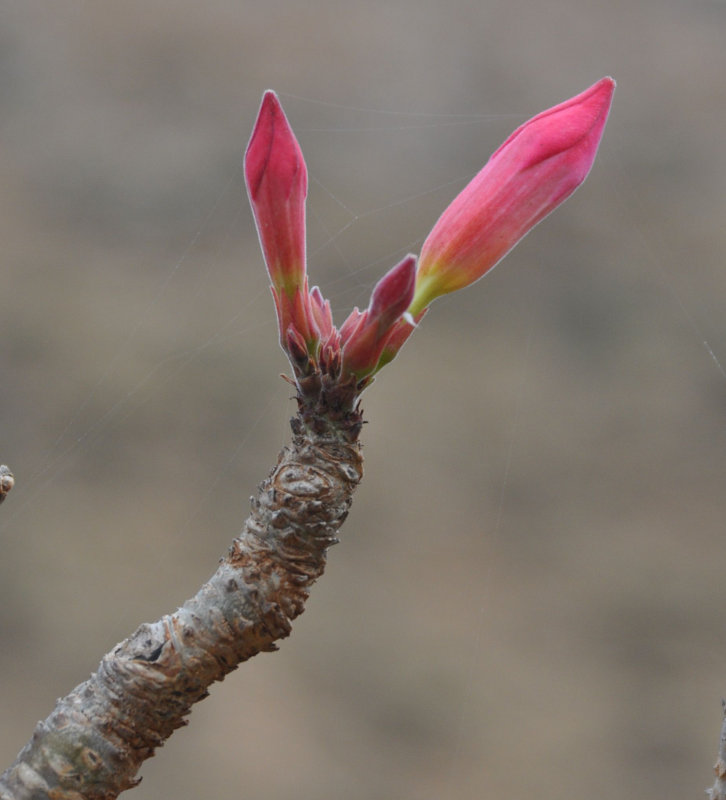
97, 737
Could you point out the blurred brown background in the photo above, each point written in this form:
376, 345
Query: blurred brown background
529, 597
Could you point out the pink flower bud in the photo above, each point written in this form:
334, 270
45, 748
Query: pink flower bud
535, 170
392, 294
277, 184
330, 356
364, 334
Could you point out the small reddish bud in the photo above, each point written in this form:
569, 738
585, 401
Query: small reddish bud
392, 294
364, 334
323, 316
352, 321
330, 359
297, 351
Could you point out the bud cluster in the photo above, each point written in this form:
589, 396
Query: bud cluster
535, 170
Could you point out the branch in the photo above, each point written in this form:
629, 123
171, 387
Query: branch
96, 738
94, 742
718, 790
7, 481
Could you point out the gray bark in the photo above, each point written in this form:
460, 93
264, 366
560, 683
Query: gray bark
93, 743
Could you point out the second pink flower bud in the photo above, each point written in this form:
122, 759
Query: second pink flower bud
538, 167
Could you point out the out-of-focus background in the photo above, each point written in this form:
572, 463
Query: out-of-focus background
530, 588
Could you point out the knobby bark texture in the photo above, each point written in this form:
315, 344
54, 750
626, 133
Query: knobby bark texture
96, 738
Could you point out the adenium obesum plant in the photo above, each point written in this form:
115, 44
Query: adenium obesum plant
95, 740
537, 168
